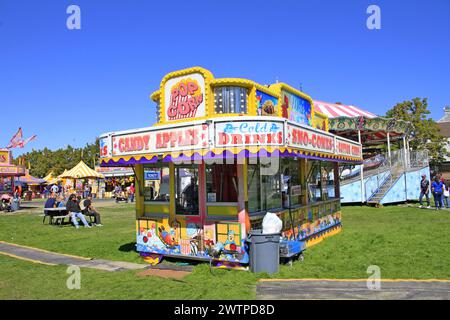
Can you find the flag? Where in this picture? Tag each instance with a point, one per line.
(22, 143)
(15, 140)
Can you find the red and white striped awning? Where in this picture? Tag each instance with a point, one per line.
(333, 110)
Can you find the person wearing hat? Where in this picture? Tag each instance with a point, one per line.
(424, 190)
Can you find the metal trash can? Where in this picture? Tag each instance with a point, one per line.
(264, 251)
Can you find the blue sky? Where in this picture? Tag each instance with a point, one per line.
(69, 86)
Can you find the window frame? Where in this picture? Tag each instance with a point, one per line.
(186, 166)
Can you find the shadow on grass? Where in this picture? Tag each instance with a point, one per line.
(128, 247)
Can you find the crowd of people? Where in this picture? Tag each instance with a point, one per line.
(76, 208)
(440, 189)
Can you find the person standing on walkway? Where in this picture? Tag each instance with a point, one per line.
(437, 188)
(446, 193)
(424, 191)
(132, 191)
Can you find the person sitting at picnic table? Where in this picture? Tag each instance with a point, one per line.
(60, 202)
(73, 207)
(50, 203)
(89, 210)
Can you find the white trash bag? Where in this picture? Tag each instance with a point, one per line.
(271, 223)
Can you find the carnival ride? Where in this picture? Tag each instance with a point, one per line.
(386, 175)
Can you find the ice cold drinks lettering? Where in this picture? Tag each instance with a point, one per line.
(181, 138)
(135, 143)
(250, 139)
(317, 141)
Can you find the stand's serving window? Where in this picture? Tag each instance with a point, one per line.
(291, 181)
(320, 180)
(156, 184)
(186, 190)
(264, 185)
(221, 183)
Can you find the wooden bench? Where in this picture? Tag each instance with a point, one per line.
(59, 220)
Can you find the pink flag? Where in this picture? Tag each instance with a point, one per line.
(15, 140)
(22, 143)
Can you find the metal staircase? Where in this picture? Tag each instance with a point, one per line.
(384, 188)
(396, 168)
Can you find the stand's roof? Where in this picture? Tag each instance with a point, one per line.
(347, 120)
(29, 179)
(334, 110)
(81, 171)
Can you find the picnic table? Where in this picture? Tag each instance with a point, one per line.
(58, 213)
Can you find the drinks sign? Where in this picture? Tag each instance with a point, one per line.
(184, 97)
(240, 133)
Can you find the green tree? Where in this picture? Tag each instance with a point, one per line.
(425, 134)
(43, 161)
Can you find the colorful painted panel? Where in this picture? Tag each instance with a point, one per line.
(266, 104)
(304, 230)
(296, 108)
(225, 243)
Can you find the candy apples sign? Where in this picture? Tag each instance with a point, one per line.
(131, 144)
(161, 140)
(184, 97)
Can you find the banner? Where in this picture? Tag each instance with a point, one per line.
(163, 140)
(15, 139)
(22, 143)
(249, 133)
(347, 148)
(310, 139)
(226, 133)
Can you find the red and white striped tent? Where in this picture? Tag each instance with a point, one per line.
(333, 110)
(368, 136)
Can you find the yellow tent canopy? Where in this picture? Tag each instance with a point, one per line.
(62, 174)
(49, 176)
(50, 179)
(81, 171)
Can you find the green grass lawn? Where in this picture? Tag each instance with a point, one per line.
(404, 242)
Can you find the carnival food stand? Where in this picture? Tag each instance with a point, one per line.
(8, 171)
(222, 154)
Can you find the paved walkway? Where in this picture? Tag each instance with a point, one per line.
(51, 258)
(352, 289)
